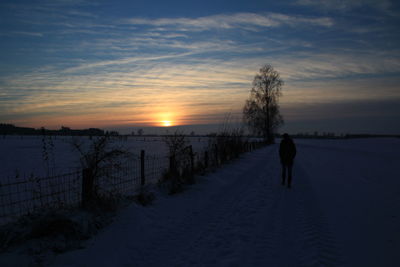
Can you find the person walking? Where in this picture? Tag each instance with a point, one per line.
(287, 153)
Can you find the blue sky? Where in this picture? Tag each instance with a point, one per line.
(122, 64)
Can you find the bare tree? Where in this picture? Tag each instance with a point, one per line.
(99, 156)
(179, 156)
(261, 111)
(176, 143)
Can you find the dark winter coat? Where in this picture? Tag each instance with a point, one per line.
(287, 151)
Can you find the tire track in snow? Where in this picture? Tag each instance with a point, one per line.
(297, 231)
(229, 230)
(277, 232)
(318, 244)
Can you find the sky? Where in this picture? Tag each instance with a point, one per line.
(131, 64)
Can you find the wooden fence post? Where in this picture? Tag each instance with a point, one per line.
(142, 173)
(87, 186)
(216, 154)
(206, 159)
(191, 159)
(172, 165)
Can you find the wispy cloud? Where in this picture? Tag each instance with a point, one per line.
(122, 61)
(346, 5)
(22, 33)
(338, 65)
(232, 21)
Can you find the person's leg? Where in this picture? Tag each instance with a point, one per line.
(289, 175)
(283, 174)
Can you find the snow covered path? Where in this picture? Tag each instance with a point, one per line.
(242, 216)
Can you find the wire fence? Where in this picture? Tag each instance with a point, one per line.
(28, 195)
(128, 178)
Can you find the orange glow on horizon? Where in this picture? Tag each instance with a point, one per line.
(163, 111)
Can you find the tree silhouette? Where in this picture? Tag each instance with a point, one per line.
(261, 111)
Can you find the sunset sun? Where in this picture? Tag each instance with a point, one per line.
(166, 118)
(166, 123)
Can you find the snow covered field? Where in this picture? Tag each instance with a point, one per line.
(343, 210)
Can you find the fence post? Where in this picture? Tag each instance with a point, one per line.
(216, 154)
(172, 164)
(191, 159)
(87, 186)
(206, 159)
(142, 176)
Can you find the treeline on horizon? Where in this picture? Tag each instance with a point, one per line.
(10, 129)
(327, 135)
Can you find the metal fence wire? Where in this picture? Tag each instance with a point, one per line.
(155, 168)
(126, 179)
(26, 195)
